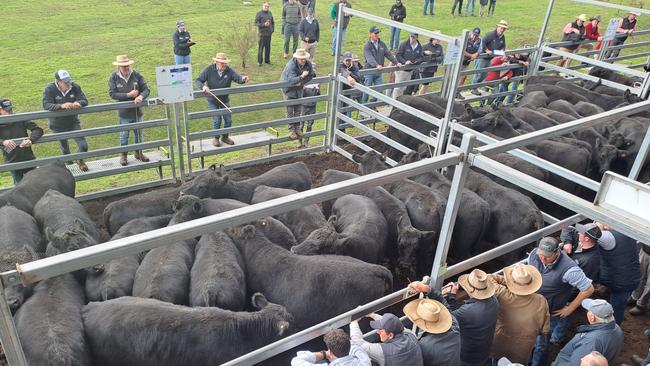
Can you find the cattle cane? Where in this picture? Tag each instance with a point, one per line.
(219, 100)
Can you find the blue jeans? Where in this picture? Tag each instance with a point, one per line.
(540, 352)
(216, 120)
(618, 300)
(82, 145)
(394, 37)
(473, 2)
(514, 86)
(428, 4)
(480, 63)
(370, 80)
(334, 38)
(291, 31)
(124, 134)
(179, 60)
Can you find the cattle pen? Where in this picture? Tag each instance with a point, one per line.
(180, 146)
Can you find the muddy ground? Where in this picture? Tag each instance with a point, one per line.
(633, 327)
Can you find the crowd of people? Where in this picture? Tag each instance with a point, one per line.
(511, 318)
(415, 60)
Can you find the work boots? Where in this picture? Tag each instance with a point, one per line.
(227, 140)
(82, 165)
(216, 142)
(140, 156)
(123, 159)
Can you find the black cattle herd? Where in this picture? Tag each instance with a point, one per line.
(204, 301)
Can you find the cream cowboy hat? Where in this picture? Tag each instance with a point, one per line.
(477, 285)
(123, 60)
(430, 315)
(582, 17)
(301, 54)
(522, 279)
(221, 57)
(503, 24)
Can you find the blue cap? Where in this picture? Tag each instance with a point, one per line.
(63, 75)
(388, 322)
(180, 23)
(374, 29)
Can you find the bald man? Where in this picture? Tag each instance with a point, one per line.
(594, 358)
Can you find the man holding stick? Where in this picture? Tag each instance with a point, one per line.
(215, 76)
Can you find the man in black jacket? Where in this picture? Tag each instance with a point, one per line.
(265, 27)
(182, 43)
(349, 70)
(408, 53)
(64, 94)
(434, 55)
(309, 34)
(374, 52)
(397, 13)
(126, 84)
(216, 76)
(493, 41)
(22, 151)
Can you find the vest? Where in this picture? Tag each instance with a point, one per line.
(619, 267)
(403, 350)
(556, 291)
(574, 37)
(627, 24)
(589, 261)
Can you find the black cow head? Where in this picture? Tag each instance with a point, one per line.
(186, 208)
(209, 183)
(606, 154)
(278, 320)
(631, 97)
(319, 241)
(69, 238)
(409, 239)
(370, 162)
(411, 157)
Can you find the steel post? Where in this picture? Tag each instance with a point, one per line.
(641, 157)
(9, 335)
(456, 68)
(170, 137)
(335, 83)
(534, 66)
(449, 220)
(179, 140)
(188, 143)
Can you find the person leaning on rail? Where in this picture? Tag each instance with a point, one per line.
(216, 76)
(494, 40)
(126, 84)
(339, 352)
(625, 28)
(439, 338)
(398, 347)
(16, 152)
(65, 94)
(298, 72)
(573, 32)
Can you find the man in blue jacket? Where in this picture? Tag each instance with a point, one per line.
(602, 334)
(409, 52)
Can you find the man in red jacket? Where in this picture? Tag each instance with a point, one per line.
(592, 33)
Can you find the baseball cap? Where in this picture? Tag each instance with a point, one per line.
(506, 362)
(63, 75)
(413, 34)
(547, 246)
(347, 55)
(388, 322)
(180, 23)
(596, 17)
(374, 29)
(591, 230)
(6, 104)
(599, 308)
(477, 30)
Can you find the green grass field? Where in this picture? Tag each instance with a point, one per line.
(84, 38)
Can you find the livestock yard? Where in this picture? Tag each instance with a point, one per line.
(244, 249)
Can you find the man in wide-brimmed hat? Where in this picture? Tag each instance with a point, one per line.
(399, 346)
(65, 94)
(126, 84)
(477, 316)
(625, 28)
(560, 276)
(440, 336)
(298, 72)
(523, 313)
(494, 40)
(216, 76)
(573, 32)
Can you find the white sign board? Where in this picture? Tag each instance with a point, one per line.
(453, 52)
(611, 29)
(175, 83)
(629, 198)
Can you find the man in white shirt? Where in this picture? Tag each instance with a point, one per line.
(339, 352)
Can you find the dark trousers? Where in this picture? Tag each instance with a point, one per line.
(18, 174)
(618, 300)
(458, 3)
(82, 145)
(264, 45)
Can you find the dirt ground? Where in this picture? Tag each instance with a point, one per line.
(633, 327)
